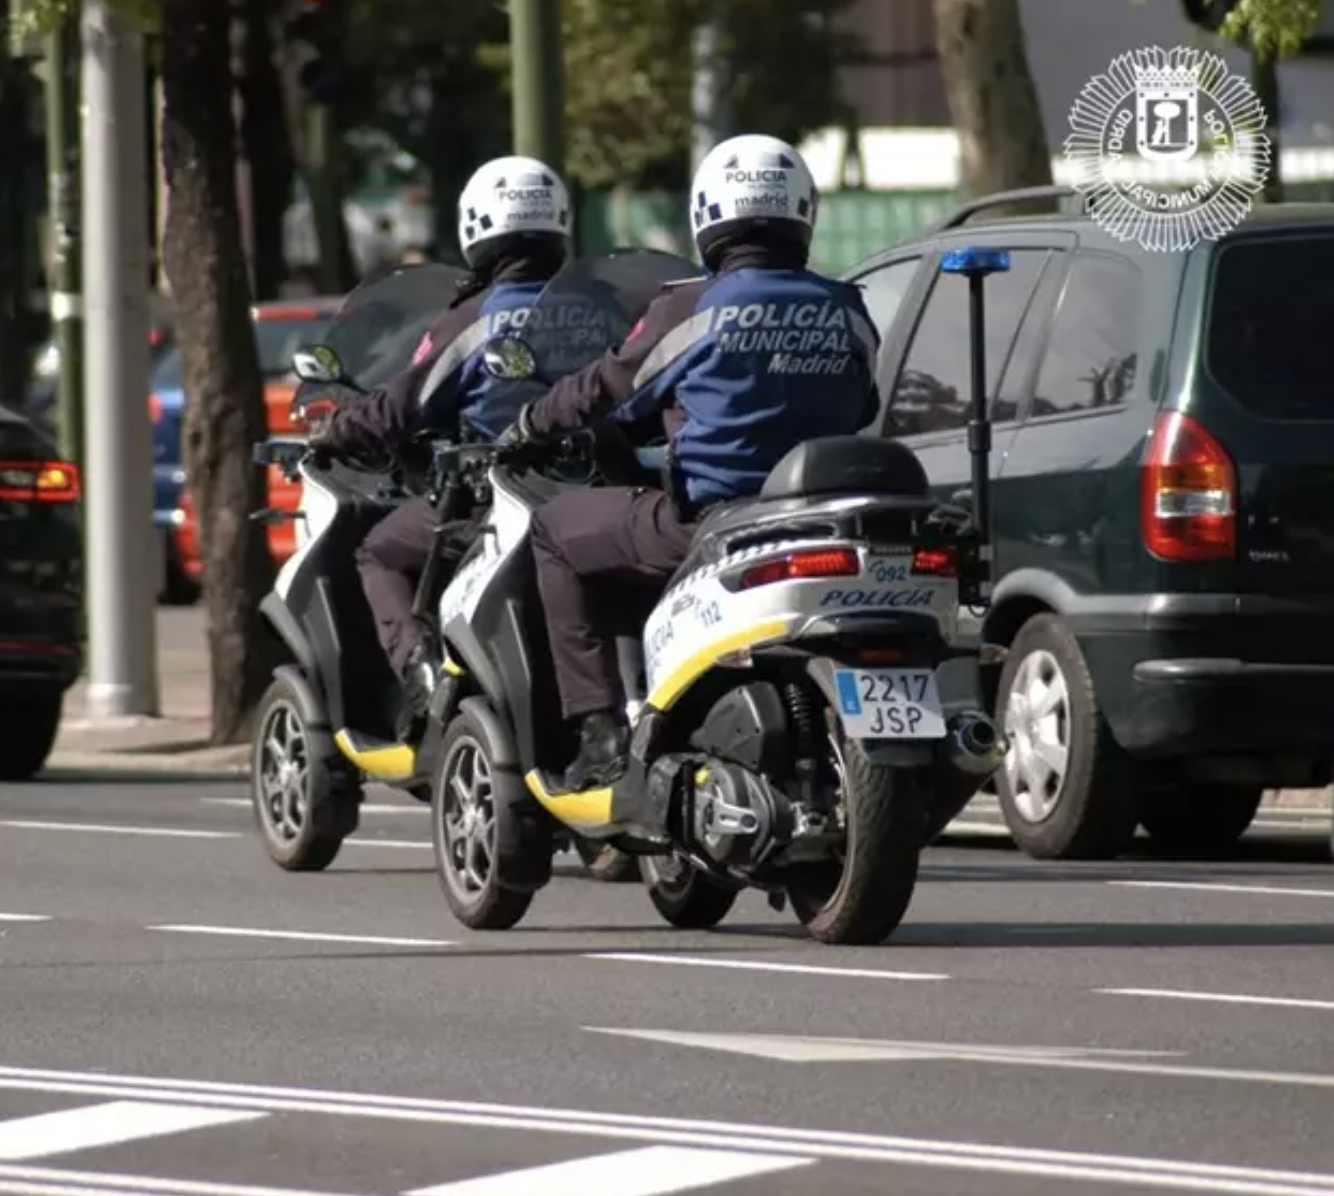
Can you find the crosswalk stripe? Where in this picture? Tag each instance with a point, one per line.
(653, 1171)
(50, 1181)
(107, 1124)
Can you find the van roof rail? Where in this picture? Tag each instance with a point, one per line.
(1001, 199)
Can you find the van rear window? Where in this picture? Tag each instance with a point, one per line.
(1271, 322)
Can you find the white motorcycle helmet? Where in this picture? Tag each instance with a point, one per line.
(508, 198)
(750, 183)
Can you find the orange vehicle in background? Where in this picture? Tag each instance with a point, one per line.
(281, 328)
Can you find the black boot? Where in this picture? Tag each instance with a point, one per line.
(419, 680)
(604, 752)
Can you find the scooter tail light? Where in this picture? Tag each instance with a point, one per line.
(803, 566)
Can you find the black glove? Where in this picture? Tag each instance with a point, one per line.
(322, 446)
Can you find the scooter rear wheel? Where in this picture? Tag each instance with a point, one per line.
(686, 897)
(607, 863)
(861, 899)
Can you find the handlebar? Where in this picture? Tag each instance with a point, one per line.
(448, 459)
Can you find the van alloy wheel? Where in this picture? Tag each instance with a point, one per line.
(1037, 724)
(1066, 789)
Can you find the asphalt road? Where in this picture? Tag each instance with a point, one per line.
(180, 1018)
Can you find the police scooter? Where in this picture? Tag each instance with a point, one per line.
(327, 722)
(803, 716)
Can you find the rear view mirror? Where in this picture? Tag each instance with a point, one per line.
(319, 363)
(509, 357)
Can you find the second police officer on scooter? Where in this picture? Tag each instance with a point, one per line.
(514, 221)
(738, 367)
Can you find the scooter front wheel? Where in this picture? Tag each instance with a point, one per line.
(305, 800)
(468, 803)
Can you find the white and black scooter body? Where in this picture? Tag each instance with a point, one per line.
(329, 720)
(798, 676)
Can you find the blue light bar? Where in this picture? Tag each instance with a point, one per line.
(975, 261)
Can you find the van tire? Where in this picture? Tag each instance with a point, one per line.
(1094, 812)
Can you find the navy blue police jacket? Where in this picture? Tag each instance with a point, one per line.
(742, 366)
(445, 389)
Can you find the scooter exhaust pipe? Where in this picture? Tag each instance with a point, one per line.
(974, 745)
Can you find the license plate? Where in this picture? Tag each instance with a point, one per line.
(890, 703)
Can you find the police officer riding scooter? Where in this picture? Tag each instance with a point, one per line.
(736, 367)
(514, 220)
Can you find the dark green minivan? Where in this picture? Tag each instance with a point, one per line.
(1163, 509)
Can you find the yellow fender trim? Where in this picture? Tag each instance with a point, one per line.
(384, 762)
(667, 691)
(589, 811)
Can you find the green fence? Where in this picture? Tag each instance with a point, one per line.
(852, 225)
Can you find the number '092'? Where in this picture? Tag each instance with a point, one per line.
(886, 572)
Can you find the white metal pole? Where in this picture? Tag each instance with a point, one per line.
(122, 559)
(707, 92)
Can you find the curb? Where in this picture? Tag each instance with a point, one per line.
(229, 763)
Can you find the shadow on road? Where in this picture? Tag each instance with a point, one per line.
(1311, 849)
(1115, 934)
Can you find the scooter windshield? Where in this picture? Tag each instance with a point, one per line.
(590, 306)
(380, 324)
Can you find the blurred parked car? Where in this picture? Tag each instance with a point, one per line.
(280, 329)
(40, 593)
(40, 402)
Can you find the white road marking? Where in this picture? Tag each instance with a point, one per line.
(106, 1125)
(1220, 998)
(652, 1171)
(100, 829)
(991, 830)
(305, 936)
(244, 803)
(25, 917)
(758, 965)
(50, 1181)
(392, 844)
(818, 1144)
(1204, 887)
(801, 1049)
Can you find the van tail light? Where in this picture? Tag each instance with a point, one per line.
(802, 566)
(1188, 493)
(935, 562)
(154, 408)
(39, 481)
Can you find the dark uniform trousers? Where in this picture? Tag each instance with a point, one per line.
(391, 559)
(603, 557)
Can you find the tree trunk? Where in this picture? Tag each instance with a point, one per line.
(15, 314)
(984, 66)
(225, 412)
(267, 141)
